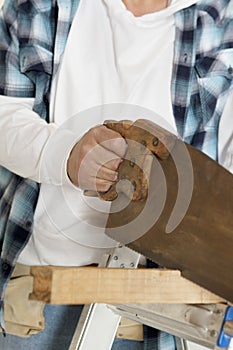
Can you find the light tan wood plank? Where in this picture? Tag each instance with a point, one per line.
(85, 285)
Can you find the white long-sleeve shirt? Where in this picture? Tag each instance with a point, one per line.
(38, 150)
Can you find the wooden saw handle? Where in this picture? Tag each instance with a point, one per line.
(158, 140)
(148, 139)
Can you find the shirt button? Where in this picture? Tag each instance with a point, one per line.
(5, 266)
(185, 57)
(28, 224)
(179, 108)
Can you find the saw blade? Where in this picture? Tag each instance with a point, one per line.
(185, 222)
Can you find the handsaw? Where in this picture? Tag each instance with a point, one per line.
(177, 210)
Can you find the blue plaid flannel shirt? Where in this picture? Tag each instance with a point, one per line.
(33, 37)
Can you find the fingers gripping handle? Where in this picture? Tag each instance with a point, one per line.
(145, 139)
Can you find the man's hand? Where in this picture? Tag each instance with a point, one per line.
(93, 161)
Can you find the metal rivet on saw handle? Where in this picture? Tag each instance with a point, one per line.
(155, 141)
(132, 162)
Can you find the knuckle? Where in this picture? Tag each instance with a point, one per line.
(116, 163)
(92, 132)
(114, 176)
(120, 145)
(104, 187)
(97, 129)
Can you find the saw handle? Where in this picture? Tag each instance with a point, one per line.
(149, 139)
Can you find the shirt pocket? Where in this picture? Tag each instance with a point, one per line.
(36, 35)
(35, 58)
(214, 76)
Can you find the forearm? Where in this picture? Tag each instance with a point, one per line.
(31, 147)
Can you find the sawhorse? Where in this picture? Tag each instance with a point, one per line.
(209, 325)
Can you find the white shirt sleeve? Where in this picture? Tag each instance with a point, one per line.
(225, 145)
(31, 147)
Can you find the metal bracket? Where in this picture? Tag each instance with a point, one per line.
(98, 324)
(206, 325)
(123, 257)
(201, 324)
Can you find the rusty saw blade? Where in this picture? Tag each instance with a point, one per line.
(185, 220)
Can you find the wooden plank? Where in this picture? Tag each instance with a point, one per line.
(85, 285)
